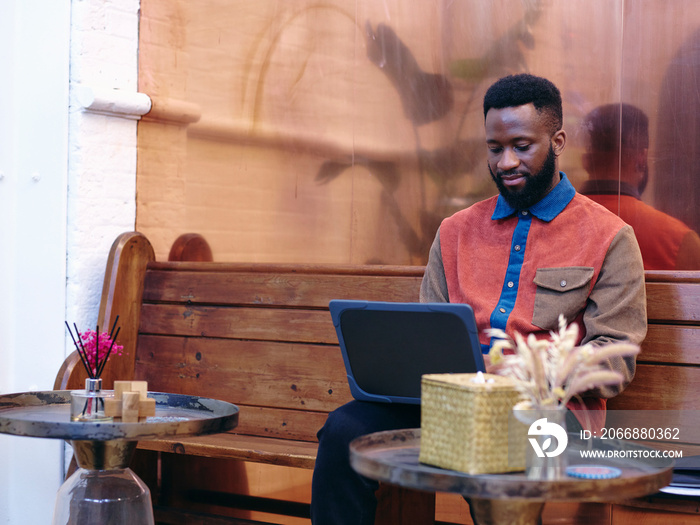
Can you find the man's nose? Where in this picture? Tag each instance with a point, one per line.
(508, 161)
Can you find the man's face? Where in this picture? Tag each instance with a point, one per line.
(522, 154)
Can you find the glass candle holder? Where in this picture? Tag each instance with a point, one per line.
(89, 404)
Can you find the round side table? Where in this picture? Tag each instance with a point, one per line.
(500, 499)
(104, 489)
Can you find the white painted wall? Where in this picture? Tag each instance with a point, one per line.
(34, 47)
(102, 161)
(67, 189)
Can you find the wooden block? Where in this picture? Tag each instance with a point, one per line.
(141, 387)
(130, 407)
(120, 387)
(113, 407)
(147, 407)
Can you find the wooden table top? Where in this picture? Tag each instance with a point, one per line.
(47, 415)
(392, 457)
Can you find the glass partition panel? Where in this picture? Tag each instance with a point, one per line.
(640, 148)
(344, 130)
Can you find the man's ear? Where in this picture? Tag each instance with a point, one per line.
(559, 142)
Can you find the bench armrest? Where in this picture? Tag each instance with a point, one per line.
(122, 292)
(71, 375)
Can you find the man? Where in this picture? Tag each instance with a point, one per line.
(520, 259)
(617, 142)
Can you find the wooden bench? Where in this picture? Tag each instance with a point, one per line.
(257, 335)
(260, 336)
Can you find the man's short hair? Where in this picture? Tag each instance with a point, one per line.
(614, 126)
(518, 90)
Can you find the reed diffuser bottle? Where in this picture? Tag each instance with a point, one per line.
(89, 404)
(94, 349)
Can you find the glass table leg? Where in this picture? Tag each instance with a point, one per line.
(103, 490)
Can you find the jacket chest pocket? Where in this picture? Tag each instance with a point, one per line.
(560, 291)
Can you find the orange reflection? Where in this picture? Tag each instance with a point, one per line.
(677, 189)
(616, 158)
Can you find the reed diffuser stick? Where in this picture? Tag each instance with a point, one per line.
(104, 361)
(80, 340)
(111, 332)
(77, 347)
(97, 349)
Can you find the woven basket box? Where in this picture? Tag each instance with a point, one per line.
(466, 425)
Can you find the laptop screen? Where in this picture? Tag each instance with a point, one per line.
(387, 347)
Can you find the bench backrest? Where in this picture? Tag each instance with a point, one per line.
(261, 336)
(668, 367)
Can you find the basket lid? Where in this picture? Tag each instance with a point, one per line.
(471, 381)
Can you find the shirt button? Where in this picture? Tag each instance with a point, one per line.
(502, 310)
(517, 247)
(510, 284)
(523, 213)
(562, 284)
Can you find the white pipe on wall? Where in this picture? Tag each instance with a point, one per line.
(113, 102)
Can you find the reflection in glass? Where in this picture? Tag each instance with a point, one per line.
(344, 131)
(616, 158)
(678, 186)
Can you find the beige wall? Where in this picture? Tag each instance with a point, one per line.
(275, 136)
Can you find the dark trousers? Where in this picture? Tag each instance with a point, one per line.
(338, 494)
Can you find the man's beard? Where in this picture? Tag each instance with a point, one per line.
(536, 185)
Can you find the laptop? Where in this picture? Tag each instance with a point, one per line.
(387, 347)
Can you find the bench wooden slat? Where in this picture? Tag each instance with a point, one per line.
(287, 288)
(272, 358)
(298, 325)
(671, 344)
(660, 387)
(291, 453)
(389, 271)
(274, 422)
(312, 394)
(295, 376)
(673, 302)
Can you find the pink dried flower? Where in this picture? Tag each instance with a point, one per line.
(99, 347)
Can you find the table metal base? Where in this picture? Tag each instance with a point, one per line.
(505, 512)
